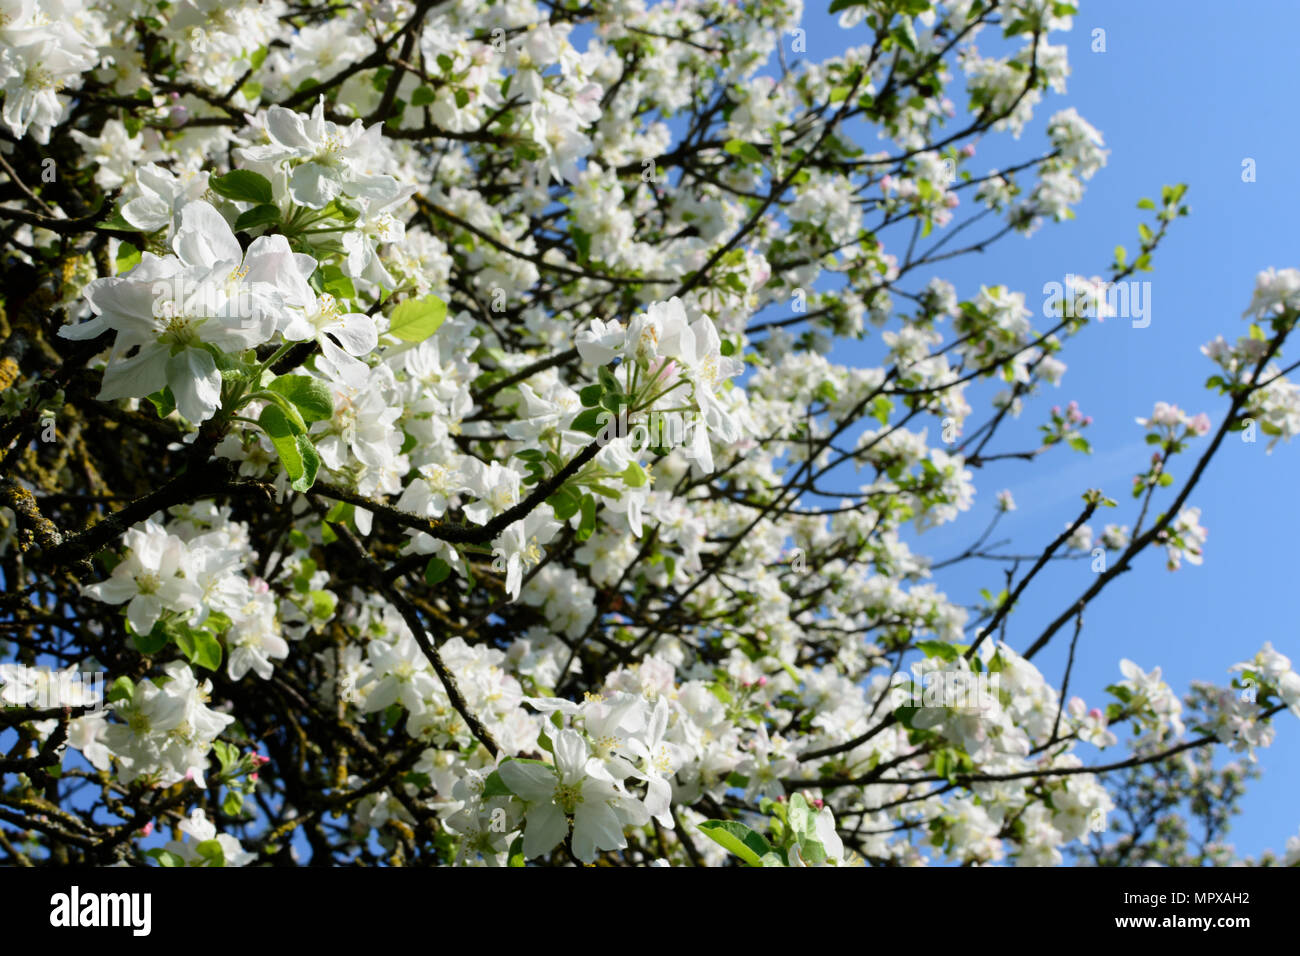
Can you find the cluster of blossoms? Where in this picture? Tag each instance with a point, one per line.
(390, 322)
(192, 575)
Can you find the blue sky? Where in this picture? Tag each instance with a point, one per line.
(1182, 93)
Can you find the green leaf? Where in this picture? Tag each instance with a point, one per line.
(588, 523)
(263, 214)
(323, 603)
(242, 185)
(200, 647)
(233, 805)
(310, 396)
(337, 283)
(211, 853)
(746, 151)
(941, 649)
(738, 839)
(802, 819)
(417, 319)
(292, 416)
(164, 402)
(153, 642)
(1146, 204)
(120, 689)
(310, 462)
(436, 571)
(517, 852)
(128, 257)
(227, 754)
(165, 857)
(115, 221)
(582, 242)
(591, 395)
(607, 380)
(588, 421)
(906, 714)
(634, 475)
(566, 503)
(297, 453)
(494, 786)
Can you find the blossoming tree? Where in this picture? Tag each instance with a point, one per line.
(420, 443)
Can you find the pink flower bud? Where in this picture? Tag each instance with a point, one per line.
(146, 829)
(667, 370)
(762, 681)
(1087, 420)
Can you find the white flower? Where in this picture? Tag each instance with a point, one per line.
(399, 673)
(162, 196)
(165, 732)
(658, 761)
(1149, 693)
(199, 829)
(552, 795)
(150, 579)
(496, 486)
(211, 293)
(320, 319)
(255, 640)
(1275, 292)
(520, 545)
(1080, 539)
(325, 160)
(599, 344)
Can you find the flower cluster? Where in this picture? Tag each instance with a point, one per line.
(440, 413)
